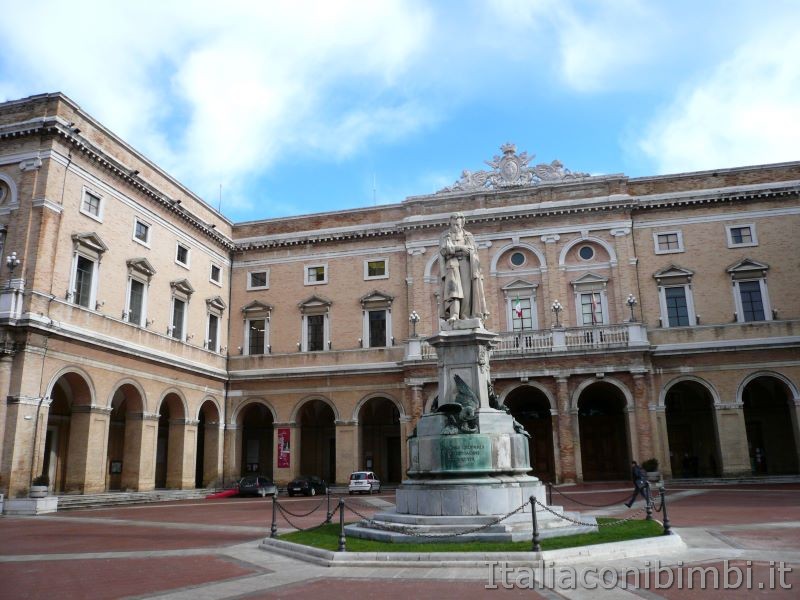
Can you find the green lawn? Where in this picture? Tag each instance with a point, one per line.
(327, 538)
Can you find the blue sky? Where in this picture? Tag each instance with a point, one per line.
(310, 106)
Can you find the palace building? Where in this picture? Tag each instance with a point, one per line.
(148, 342)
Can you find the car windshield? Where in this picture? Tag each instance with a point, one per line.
(358, 476)
(248, 481)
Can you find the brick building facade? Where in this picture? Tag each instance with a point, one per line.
(149, 342)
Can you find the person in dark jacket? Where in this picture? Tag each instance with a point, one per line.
(640, 484)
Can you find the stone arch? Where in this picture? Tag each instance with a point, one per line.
(134, 384)
(533, 384)
(213, 401)
(379, 436)
(368, 397)
(13, 195)
(238, 412)
(429, 264)
(610, 380)
(662, 396)
(127, 404)
(254, 421)
(173, 419)
(532, 249)
(531, 404)
(208, 455)
(612, 255)
(181, 398)
(74, 371)
(316, 417)
(788, 382)
(298, 407)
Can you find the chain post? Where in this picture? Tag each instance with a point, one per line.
(535, 545)
(273, 530)
(549, 493)
(648, 503)
(667, 528)
(328, 513)
(342, 539)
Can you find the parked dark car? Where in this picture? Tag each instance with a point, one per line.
(253, 485)
(308, 485)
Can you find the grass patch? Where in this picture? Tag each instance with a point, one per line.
(327, 538)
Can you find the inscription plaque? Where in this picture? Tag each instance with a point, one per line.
(466, 452)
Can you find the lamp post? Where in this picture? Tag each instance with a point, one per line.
(413, 318)
(12, 262)
(631, 302)
(557, 308)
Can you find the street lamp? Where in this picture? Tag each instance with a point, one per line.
(557, 308)
(12, 262)
(631, 302)
(413, 318)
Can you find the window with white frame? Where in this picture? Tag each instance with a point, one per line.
(181, 293)
(591, 302)
(88, 249)
(675, 297)
(316, 274)
(376, 268)
(256, 328)
(140, 271)
(520, 297)
(668, 242)
(750, 295)
(741, 236)
(182, 254)
(376, 309)
(216, 274)
(214, 308)
(258, 280)
(92, 205)
(315, 333)
(141, 232)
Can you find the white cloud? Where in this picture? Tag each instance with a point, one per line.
(746, 112)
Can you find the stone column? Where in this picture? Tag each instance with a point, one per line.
(181, 447)
(556, 445)
(732, 439)
(347, 450)
(633, 439)
(566, 433)
(232, 444)
(5, 384)
(794, 409)
(147, 471)
(87, 450)
(644, 433)
(212, 454)
(135, 453)
(658, 416)
(20, 457)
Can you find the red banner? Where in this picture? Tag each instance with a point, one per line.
(284, 447)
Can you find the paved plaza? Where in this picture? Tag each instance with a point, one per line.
(210, 549)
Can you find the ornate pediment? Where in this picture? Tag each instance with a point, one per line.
(376, 298)
(89, 240)
(315, 303)
(519, 285)
(182, 285)
(216, 303)
(512, 170)
(673, 272)
(142, 266)
(255, 308)
(748, 268)
(590, 279)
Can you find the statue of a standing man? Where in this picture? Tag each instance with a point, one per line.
(462, 280)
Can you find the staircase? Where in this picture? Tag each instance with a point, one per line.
(77, 501)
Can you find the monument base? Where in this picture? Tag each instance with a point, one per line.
(466, 510)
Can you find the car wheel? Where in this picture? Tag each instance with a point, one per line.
(313, 491)
(350, 492)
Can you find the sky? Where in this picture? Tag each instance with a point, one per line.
(270, 109)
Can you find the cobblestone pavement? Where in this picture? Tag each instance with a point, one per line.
(743, 541)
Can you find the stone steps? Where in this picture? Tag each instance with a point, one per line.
(78, 501)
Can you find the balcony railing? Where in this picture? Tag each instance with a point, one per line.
(561, 339)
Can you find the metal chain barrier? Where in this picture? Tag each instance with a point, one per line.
(437, 536)
(577, 522)
(312, 511)
(284, 512)
(590, 505)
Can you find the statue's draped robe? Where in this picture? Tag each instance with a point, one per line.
(461, 277)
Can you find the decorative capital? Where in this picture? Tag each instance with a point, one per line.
(550, 238)
(30, 164)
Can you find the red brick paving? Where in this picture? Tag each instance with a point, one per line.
(391, 589)
(112, 578)
(772, 539)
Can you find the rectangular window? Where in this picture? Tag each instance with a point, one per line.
(377, 328)
(178, 315)
(256, 336)
(315, 274)
(741, 235)
(677, 307)
(84, 273)
(213, 333)
(91, 204)
(752, 301)
(136, 302)
(141, 232)
(216, 274)
(668, 242)
(182, 255)
(376, 268)
(591, 308)
(521, 319)
(257, 280)
(316, 332)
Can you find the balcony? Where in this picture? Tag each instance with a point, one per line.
(545, 341)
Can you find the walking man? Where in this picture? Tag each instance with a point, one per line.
(640, 484)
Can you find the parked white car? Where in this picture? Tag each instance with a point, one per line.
(364, 482)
